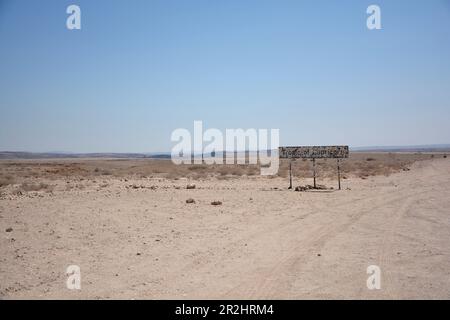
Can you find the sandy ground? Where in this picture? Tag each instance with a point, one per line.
(263, 241)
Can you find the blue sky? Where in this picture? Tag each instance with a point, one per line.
(137, 70)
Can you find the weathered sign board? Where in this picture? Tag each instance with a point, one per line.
(317, 152)
(313, 152)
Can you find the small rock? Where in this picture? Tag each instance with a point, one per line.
(9, 229)
(190, 200)
(216, 203)
(138, 254)
(190, 186)
(319, 255)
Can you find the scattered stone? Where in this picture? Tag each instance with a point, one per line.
(190, 200)
(190, 186)
(138, 254)
(319, 255)
(310, 187)
(216, 203)
(9, 229)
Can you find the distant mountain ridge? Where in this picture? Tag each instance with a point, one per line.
(57, 155)
(166, 155)
(415, 148)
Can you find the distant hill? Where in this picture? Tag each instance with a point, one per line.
(54, 155)
(166, 155)
(417, 148)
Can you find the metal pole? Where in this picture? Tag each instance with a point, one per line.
(314, 168)
(339, 175)
(290, 174)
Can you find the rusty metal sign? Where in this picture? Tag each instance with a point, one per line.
(313, 152)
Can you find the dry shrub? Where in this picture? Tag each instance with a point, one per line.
(199, 175)
(358, 164)
(172, 176)
(35, 187)
(195, 167)
(252, 170)
(224, 177)
(223, 171)
(6, 180)
(233, 170)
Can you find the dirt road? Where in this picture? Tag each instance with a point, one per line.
(263, 241)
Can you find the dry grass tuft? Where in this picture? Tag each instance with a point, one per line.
(6, 181)
(35, 187)
(359, 164)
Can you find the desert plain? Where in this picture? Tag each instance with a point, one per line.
(137, 231)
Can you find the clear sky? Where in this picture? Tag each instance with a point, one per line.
(137, 70)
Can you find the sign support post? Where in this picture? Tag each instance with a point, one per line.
(339, 174)
(314, 169)
(290, 174)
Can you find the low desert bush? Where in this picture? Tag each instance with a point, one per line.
(36, 187)
(6, 181)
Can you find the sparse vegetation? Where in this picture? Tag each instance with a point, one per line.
(35, 187)
(6, 181)
(358, 165)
